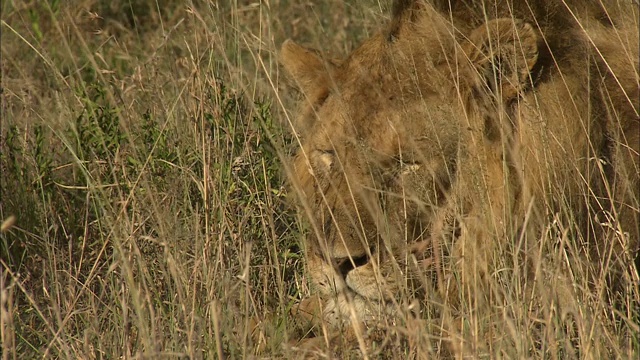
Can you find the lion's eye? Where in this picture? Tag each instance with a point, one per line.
(409, 168)
(325, 159)
(406, 166)
(400, 172)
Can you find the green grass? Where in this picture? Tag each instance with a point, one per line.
(140, 153)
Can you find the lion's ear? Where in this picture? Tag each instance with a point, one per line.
(309, 70)
(503, 52)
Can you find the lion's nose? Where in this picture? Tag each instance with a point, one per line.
(344, 265)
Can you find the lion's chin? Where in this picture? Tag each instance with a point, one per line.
(351, 306)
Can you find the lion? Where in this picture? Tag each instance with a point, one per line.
(456, 138)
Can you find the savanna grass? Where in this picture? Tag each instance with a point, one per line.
(141, 187)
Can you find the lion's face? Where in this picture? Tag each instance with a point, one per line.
(378, 141)
(370, 179)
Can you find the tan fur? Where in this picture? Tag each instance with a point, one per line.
(432, 145)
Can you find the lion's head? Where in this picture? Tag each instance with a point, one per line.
(427, 128)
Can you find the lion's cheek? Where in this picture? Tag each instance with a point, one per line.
(370, 283)
(324, 277)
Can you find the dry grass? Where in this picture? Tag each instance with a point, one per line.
(143, 201)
